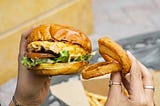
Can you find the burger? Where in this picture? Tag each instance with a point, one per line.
(54, 49)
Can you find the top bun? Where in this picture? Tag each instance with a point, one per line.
(55, 32)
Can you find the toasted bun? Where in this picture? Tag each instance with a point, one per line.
(59, 68)
(54, 32)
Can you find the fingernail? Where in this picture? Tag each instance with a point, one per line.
(128, 52)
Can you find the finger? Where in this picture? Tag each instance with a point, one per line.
(23, 42)
(147, 80)
(115, 90)
(136, 84)
(27, 32)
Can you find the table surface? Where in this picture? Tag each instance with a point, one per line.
(117, 19)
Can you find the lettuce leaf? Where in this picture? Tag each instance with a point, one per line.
(27, 62)
(86, 57)
(63, 57)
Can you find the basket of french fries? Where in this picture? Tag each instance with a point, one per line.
(96, 99)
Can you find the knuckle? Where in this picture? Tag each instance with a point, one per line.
(149, 75)
(143, 102)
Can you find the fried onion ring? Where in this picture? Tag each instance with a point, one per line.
(115, 58)
(100, 68)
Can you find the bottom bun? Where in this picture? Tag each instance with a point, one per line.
(59, 68)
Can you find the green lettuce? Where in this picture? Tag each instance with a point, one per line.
(86, 57)
(63, 57)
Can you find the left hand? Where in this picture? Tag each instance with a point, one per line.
(31, 89)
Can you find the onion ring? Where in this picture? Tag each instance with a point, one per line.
(100, 69)
(116, 59)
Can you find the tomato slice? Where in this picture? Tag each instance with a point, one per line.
(39, 55)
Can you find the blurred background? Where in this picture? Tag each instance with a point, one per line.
(135, 24)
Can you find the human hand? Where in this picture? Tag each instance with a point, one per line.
(31, 89)
(138, 95)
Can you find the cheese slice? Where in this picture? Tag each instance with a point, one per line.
(56, 47)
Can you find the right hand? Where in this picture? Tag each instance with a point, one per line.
(138, 96)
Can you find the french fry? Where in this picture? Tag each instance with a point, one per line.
(125, 92)
(103, 102)
(95, 99)
(96, 95)
(91, 102)
(96, 102)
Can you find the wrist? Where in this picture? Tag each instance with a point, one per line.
(15, 102)
(24, 100)
(11, 103)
